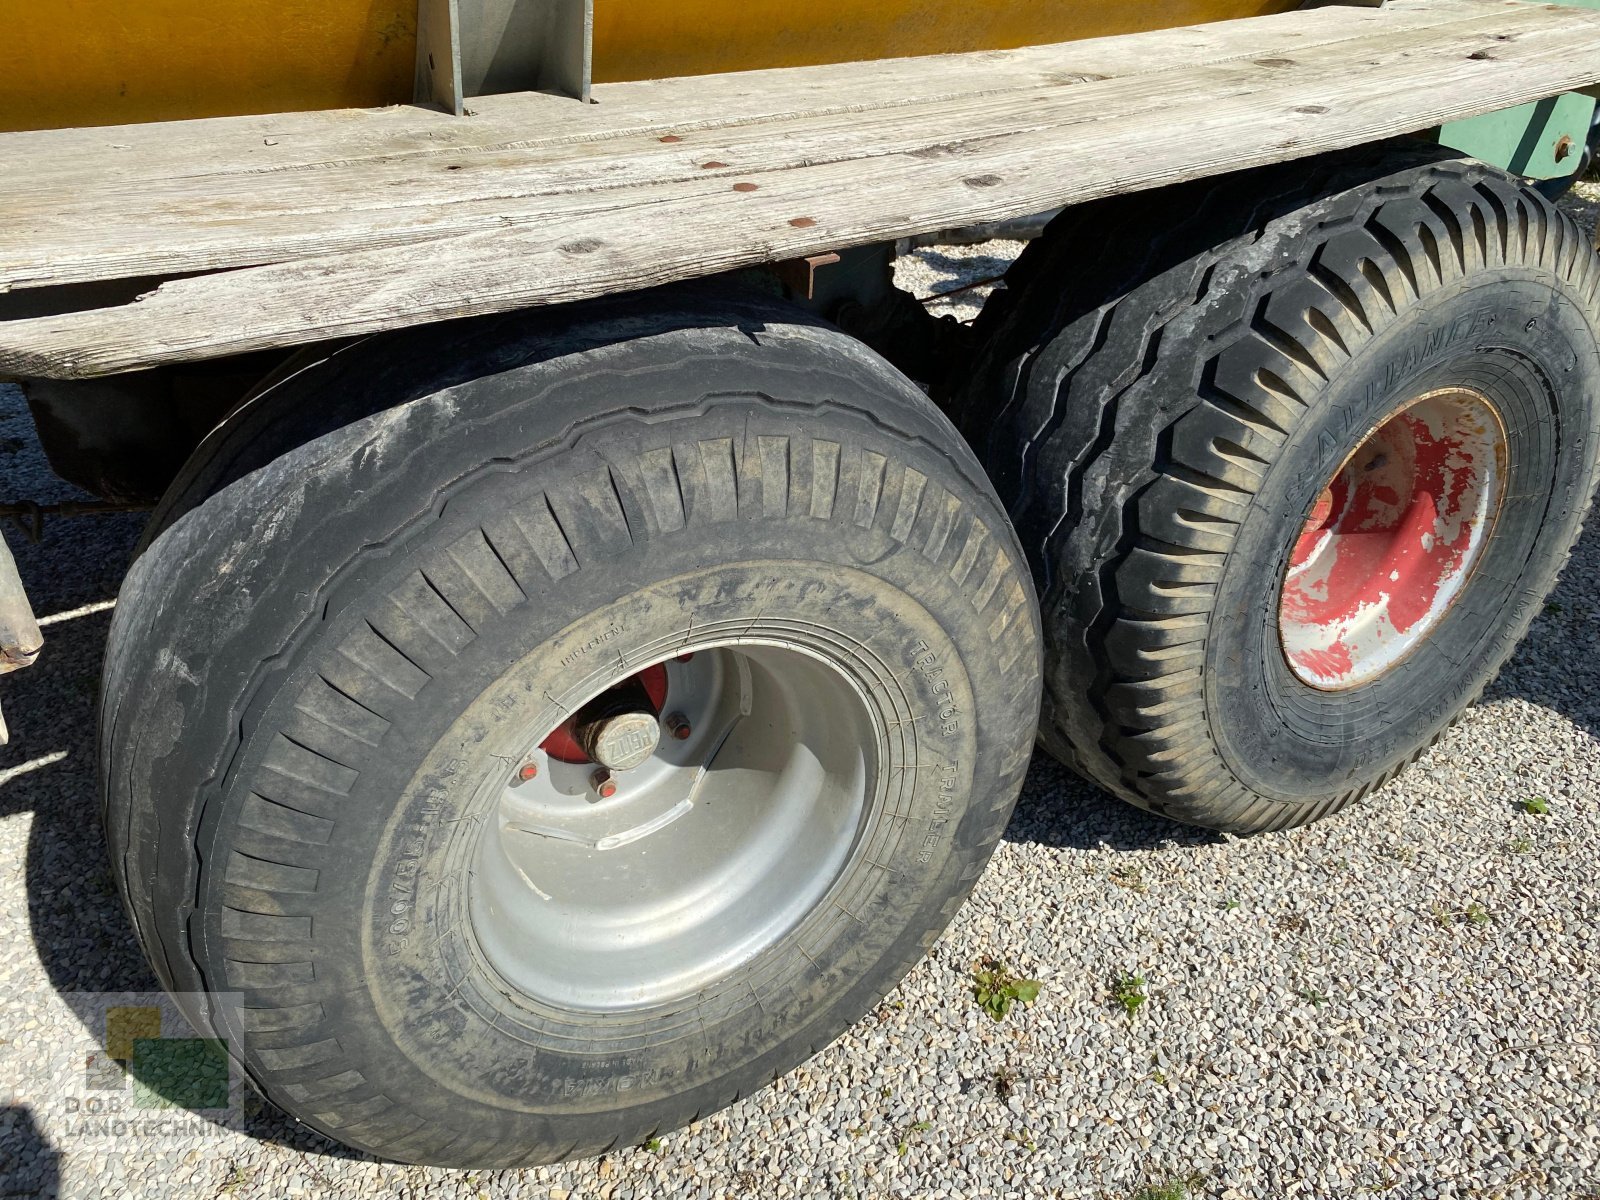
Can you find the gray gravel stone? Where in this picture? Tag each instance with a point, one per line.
(1402, 1000)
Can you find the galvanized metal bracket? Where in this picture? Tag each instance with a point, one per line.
(469, 48)
(438, 78)
(20, 638)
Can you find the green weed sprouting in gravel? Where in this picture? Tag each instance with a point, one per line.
(1023, 1138)
(1473, 914)
(905, 1138)
(1315, 998)
(1230, 905)
(1522, 845)
(653, 1145)
(1551, 607)
(1130, 877)
(1536, 806)
(1128, 991)
(996, 987)
(1179, 1187)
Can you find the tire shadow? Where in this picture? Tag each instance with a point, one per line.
(1557, 667)
(1059, 808)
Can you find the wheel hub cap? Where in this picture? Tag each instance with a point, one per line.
(1392, 539)
(621, 742)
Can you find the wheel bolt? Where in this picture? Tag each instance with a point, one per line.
(527, 771)
(604, 786)
(678, 726)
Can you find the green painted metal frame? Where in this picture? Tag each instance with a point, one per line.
(1543, 140)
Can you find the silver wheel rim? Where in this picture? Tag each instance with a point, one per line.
(624, 889)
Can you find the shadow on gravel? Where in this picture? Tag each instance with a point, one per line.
(29, 1164)
(81, 933)
(1057, 808)
(1558, 664)
(962, 271)
(1557, 667)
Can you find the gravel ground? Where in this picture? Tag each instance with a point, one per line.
(1402, 999)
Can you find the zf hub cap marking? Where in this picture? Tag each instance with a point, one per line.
(679, 823)
(1392, 539)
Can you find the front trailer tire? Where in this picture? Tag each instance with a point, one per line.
(324, 678)
(1172, 393)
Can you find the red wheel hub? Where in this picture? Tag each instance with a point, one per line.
(1392, 539)
(562, 744)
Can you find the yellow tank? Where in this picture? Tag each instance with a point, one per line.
(648, 39)
(112, 62)
(90, 62)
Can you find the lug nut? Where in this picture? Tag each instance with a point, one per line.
(604, 786)
(527, 771)
(678, 726)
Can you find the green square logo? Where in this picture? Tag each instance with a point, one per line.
(189, 1073)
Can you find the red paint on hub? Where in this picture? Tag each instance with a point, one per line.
(1391, 540)
(562, 744)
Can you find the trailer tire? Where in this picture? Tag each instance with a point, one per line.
(1161, 410)
(327, 681)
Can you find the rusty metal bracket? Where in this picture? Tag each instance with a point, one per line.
(799, 275)
(20, 638)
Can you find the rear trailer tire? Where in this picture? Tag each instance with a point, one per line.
(357, 699)
(1189, 424)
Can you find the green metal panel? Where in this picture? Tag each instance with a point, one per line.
(1528, 138)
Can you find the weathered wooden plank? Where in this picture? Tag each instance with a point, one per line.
(78, 158)
(205, 222)
(939, 168)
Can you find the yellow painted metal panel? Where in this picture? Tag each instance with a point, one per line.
(107, 62)
(651, 39)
